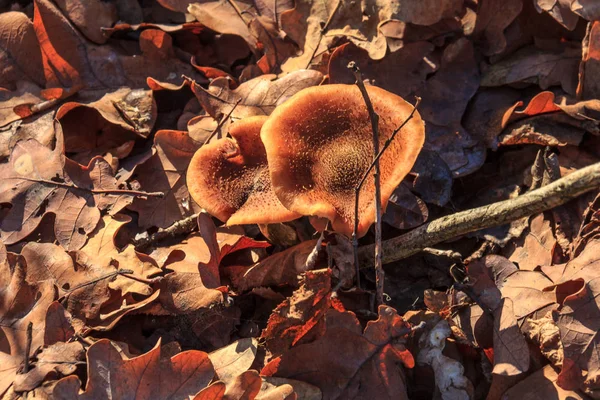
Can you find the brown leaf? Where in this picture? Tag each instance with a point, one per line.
(484, 118)
(405, 210)
(195, 282)
(301, 318)
(20, 54)
(71, 61)
(349, 363)
(280, 268)
(85, 296)
(112, 374)
(354, 22)
(224, 17)
(234, 359)
(257, 96)
(590, 64)
(90, 16)
(37, 180)
(165, 172)
(101, 253)
(535, 247)
(578, 318)
(493, 16)
(535, 66)
(100, 126)
(541, 384)
(53, 362)
(21, 303)
(511, 354)
(58, 325)
(402, 72)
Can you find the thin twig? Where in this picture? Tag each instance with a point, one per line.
(389, 141)
(116, 192)
(186, 225)
(374, 117)
(322, 32)
(110, 275)
(545, 198)
(453, 255)
(28, 347)
(222, 122)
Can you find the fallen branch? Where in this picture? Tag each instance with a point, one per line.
(545, 198)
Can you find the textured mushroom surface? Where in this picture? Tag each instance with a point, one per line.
(229, 178)
(319, 144)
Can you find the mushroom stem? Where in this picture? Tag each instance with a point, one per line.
(379, 273)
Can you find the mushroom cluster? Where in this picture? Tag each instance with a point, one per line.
(306, 159)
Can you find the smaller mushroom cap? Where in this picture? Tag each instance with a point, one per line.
(319, 144)
(230, 179)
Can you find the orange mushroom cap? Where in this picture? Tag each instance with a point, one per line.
(319, 144)
(229, 178)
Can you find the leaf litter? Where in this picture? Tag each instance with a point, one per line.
(102, 108)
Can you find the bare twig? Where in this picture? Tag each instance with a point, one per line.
(186, 225)
(28, 347)
(379, 273)
(453, 255)
(116, 192)
(322, 32)
(496, 214)
(222, 122)
(389, 141)
(110, 275)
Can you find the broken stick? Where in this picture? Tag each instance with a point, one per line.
(545, 198)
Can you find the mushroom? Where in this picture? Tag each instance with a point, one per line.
(229, 178)
(319, 144)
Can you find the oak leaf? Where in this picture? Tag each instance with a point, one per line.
(348, 363)
(115, 375)
(37, 181)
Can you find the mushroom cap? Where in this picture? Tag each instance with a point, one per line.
(319, 144)
(230, 179)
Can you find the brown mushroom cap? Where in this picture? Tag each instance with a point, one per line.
(319, 144)
(229, 178)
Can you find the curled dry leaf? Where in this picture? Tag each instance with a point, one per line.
(348, 363)
(37, 181)
(449, 373)
(111, 373)
(230, 179)
(319, 145)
